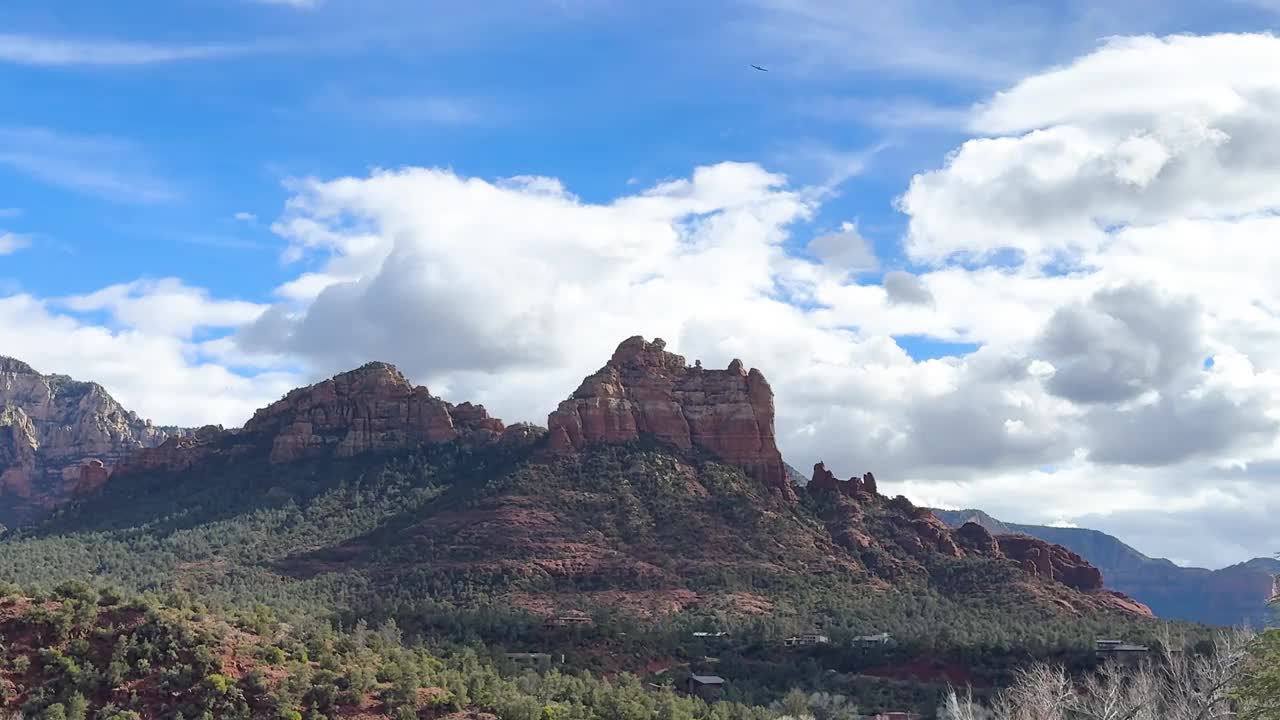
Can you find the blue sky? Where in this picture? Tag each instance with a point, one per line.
(146, 161)
(913, 222)
(598, 94)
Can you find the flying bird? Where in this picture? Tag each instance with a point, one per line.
(760, 68)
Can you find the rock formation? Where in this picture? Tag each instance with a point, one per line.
(51, 427)
(370, 409)
(646, 391)
(825, 481)
(1050, 561)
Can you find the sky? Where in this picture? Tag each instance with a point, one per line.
(1016, 256)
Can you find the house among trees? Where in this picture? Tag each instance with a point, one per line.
(573, 619)
(812, 638)
(895, 715)
(872, 640)
(1106, 649)
(706, 686)
(705, 634)
(532, 658)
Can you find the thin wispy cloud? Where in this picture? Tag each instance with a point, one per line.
(894, 113)
(298, 4)
(12, 242)
(10, 212)
(105, 167)
(410, 109)
(53, 51)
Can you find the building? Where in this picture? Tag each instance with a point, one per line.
(1119, 650)
(895, 715)
(704, 634)
(570, 620)
(706, 686)
(872, 640)
(807, 639)
(531, 658)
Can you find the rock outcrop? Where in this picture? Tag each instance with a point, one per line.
(51, 428)
(825, 481)
(977, 539)
(1050, 561)
(646, 391)
(373, 408)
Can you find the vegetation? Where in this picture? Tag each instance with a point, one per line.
(426, 546)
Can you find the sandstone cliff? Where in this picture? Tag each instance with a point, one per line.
(58, 435)
(873, 526)
(373, 408)
(646, 391)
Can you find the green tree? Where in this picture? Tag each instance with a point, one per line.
(1259, 690)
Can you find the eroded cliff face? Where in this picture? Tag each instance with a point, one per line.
(373, 408)
(59, 437)
(645, 390)
(873, 526)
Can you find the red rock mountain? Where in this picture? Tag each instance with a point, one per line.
(57, 436)
(645, 390)
(868, 524)
(583, 504)
(372, 408)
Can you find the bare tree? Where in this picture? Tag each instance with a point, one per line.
(1198, 686)
(1178, 685)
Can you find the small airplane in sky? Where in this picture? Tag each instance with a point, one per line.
(760, 68)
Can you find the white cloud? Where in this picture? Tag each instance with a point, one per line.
(845, 251)
(11, 242)
(160, 376)
(1143, 131)
(165, 306)
(246, 217)
(33, 50)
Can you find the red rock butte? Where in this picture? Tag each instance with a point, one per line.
(645, 390)
(373, 407)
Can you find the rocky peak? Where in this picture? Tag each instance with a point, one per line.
(15, 366)
(825, 480)
(52, 425)
(371, 408)
(646, 391)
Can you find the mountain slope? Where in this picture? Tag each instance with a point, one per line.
(655, 505)
(59, 436)
(657, 488)
(1231, 596)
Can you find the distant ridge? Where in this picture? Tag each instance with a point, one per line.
(1234, 595)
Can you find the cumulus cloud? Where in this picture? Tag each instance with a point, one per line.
(1121, 343)
(903, 288)
(158, 375)
(847, 250)
(165, 306)
(1143, 131)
